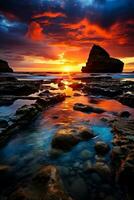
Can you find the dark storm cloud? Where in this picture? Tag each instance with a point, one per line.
(59, 20)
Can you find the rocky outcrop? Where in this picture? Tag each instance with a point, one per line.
(123, 153)
(99, 61)
(4, 67)
(87, 108)
(46, 185)
(67, 138)
(27, 113)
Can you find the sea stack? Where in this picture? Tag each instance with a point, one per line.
(99, 61)
(4, 67)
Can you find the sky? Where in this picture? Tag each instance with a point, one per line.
(57, 35)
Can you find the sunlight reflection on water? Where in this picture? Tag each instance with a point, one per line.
(33, 145)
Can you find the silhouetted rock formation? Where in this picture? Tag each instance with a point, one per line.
(99, 61)
(4, 67)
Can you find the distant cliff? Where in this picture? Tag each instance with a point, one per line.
(99, 61)
(4, 67)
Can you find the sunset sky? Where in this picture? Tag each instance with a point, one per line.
(57, 35)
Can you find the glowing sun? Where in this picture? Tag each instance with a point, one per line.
(67, 69)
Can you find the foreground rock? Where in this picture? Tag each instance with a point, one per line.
(127, 99)
(87, 108)
(4, 67)
(27, 114)
(99, 61)
(126, 173)
(102, 148)
(46, 185)
(11, 86)
(123, 154)
(66, 138)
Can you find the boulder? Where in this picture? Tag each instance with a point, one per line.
(78, 188)
(127, 99)
(101, 148)
(45, 185)
(86, 154)
(99, 61)
(87, 108)
(4, 67)
(103, 170)
(126, 174)
(125, 114)
(66, 138)
(3, 123)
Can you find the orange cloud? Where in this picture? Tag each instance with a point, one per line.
(35, 32)
(49, 14)
(85, 29)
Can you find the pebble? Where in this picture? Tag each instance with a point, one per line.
(96, 178)
(87, 165)
(86, 154)
(79, 189)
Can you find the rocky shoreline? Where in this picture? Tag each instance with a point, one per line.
(111, 173)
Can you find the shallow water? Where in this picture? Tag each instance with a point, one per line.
(33, 145)
(7, 112)
(31, 148)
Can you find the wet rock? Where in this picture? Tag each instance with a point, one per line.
(85, 133)
(45, 185)
(104, 119)
(108, 92)
(19, 88)
(45, 93)
(116, 154)
(106, 188)
(99, 61)
(102, 148)
(76, 94)
(94, 100)
(51, 99)
(4, 67)
(55, 117)
(87, 165)
(100, 158)
(7, 79)
(126, 173)
(125, 114)
(77, 164)
(61, 85)
(3, 123)
(54, 153)
(5, 176)
(87, 108)
(7, 101)
(64, 171)
(95, 178)
(4, 169)
(49, 178)
(76, 86)
(127, 99)
(27, 114)
(86, 154)
(110, 197)
(66, 138)
(20, 194)
(103, 170)
(78, 188)
(45, 174)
